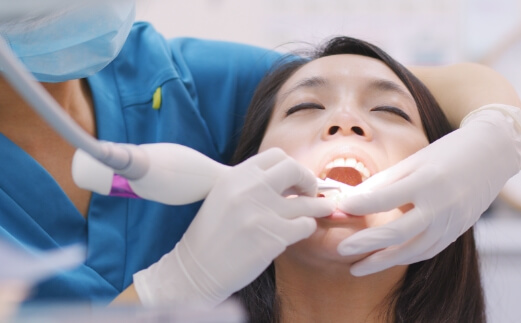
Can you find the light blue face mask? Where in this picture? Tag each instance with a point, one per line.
(73, 44)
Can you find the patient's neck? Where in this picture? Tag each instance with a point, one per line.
(329, 293)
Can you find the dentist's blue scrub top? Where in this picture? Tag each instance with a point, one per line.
(205, 88)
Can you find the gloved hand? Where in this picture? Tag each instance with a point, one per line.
(244, 223)
(450, 182)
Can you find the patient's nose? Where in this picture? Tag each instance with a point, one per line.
(347, 124)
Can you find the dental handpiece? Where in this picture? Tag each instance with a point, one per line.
(163, 172)
(180, 175)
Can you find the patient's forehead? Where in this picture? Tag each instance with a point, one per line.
(343, 67)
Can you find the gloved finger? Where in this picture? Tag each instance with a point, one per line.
(306, 206)
(372, 264)
(437, 247)
(290, 174)
(396, 232)
(396, 255)
(290, 231)
(267, 159)
(385, 177)
(382, 200)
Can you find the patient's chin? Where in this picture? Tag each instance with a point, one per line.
(321, 248)
(353, 258)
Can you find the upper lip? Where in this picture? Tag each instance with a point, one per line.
(348, 151)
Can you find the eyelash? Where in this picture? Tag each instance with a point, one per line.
(304, 106)
(389, 109)
(393, 110)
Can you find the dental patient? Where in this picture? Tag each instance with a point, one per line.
(347, 113)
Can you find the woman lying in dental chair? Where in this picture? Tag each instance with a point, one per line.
(347, 113)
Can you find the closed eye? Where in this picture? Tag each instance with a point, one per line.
(393, 110)
(304, 106)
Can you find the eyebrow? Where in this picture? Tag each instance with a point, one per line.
(310, 82)
(389, 86)
(381, 85)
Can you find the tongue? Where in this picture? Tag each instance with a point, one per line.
(346, 175)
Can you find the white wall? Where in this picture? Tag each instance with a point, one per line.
(414, 32)
(270, 23)
(426, 31)
(499, 242)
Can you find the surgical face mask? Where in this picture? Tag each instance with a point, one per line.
(73, 43)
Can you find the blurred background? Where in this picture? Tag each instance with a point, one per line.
(427, 32)
(416, 32)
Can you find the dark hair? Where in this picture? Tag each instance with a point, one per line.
(445, 288)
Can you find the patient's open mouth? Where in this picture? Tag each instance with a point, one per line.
(346, 175)
(346, 170)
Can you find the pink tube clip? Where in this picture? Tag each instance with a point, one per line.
(121, 188)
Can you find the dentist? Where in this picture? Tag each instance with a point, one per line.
(123, 82)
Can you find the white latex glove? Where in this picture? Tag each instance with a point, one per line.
(244, 223)
(450, 182)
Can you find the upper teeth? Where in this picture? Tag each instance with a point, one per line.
(348, 162)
